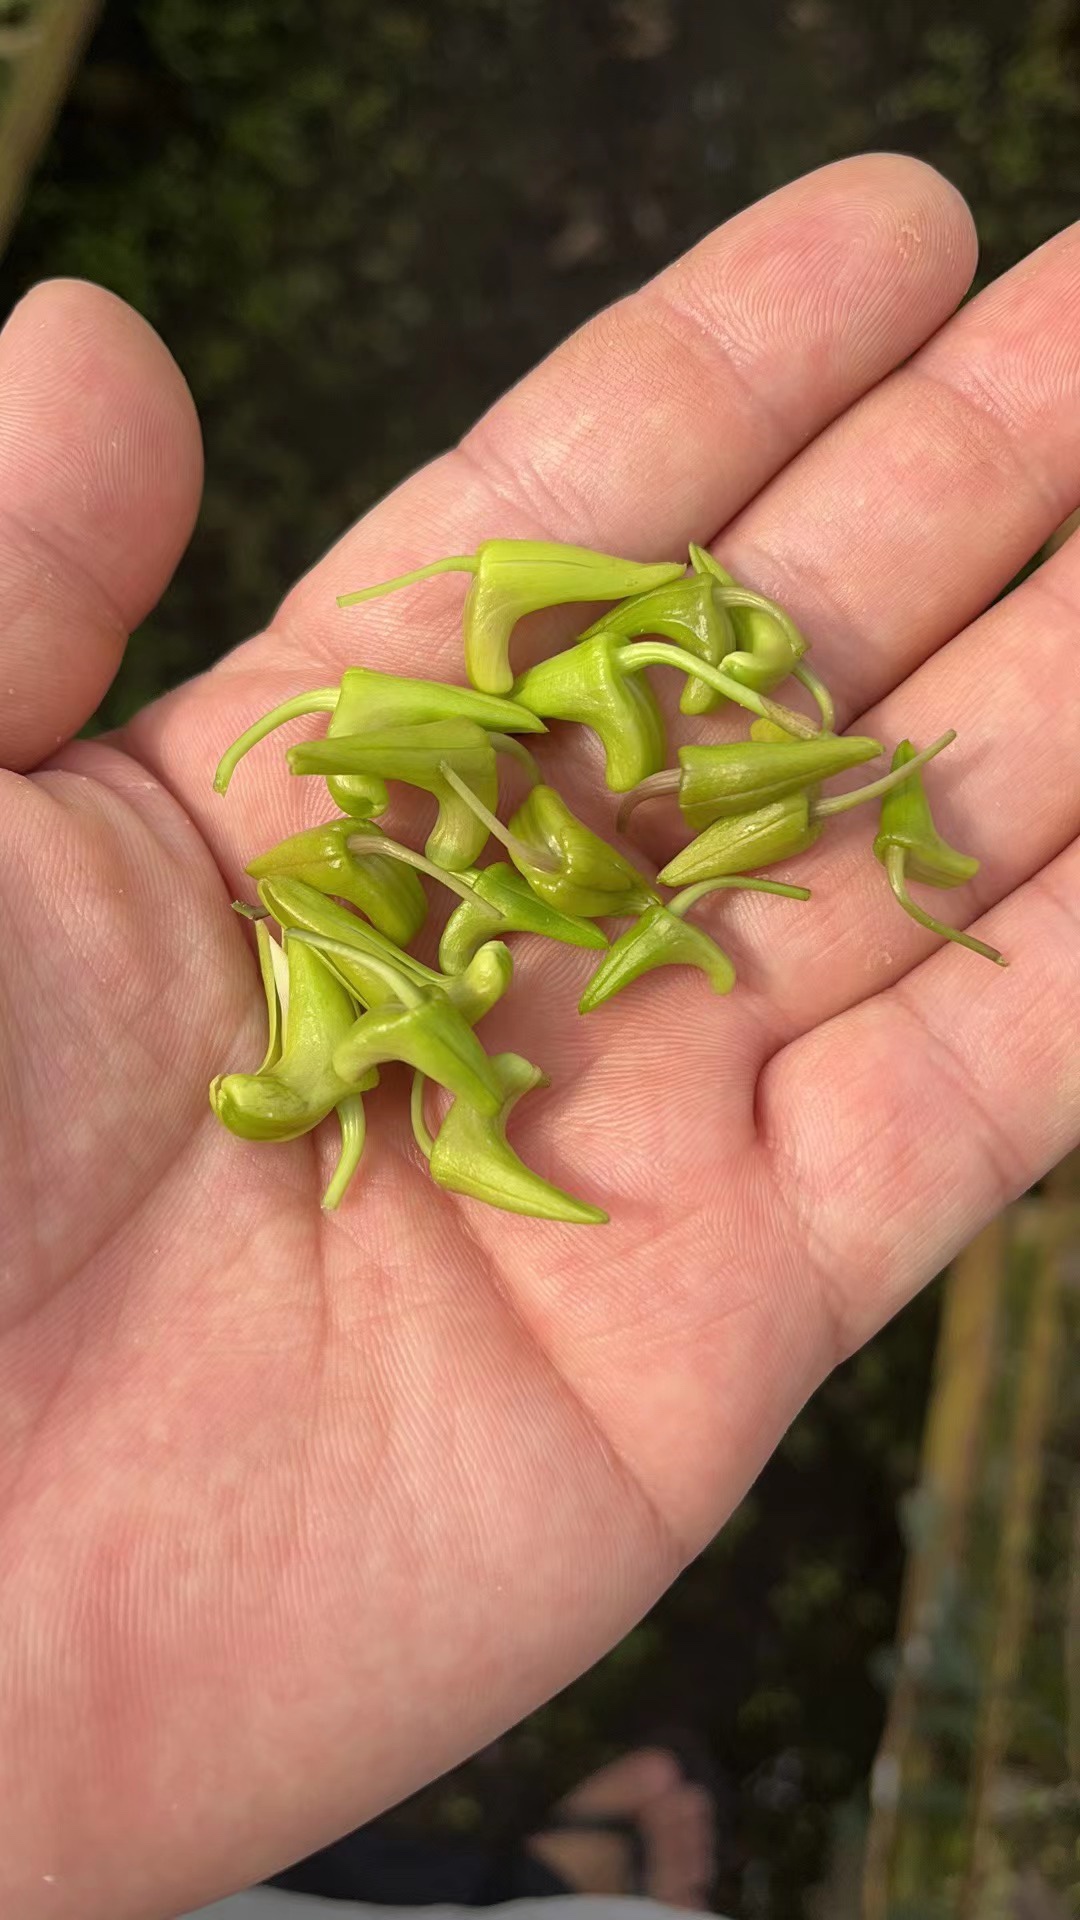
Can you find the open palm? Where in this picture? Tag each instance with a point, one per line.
(296, 1510)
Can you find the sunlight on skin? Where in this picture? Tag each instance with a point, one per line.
(296, 1511)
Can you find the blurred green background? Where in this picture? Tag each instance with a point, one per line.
(354, 225)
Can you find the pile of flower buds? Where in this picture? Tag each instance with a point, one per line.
(345, 996)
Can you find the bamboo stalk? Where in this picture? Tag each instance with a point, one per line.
(43, 67)
(963, 1376)
(1012, 1594)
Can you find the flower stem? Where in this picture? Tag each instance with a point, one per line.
(668, 781)
(690, 896)
(894, 867)
(816, 687)
(736, 596)
(353, 1125)
(517, 750)
(457, 563)
(394, 850)
(532, 856)
(842, 801)
(657, 653)
(319, 700)
(421, 1131)
(403, 988)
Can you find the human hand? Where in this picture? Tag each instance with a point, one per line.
(297, 1510)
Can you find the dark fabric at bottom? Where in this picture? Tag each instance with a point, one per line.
(392, 1871)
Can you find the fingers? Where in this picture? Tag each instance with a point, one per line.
(1005, 791)
(905, 519)
(656, 421)
(650, 427)
(912, 1119)
(100, 472)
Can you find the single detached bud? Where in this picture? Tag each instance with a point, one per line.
(910, 848)
(428, 1033)
(587, 684)
(369, 701)
(739, 842)
(296, 1086)
(505, 901)
(471, 1154)
(690, 613)
(514, 577)
(366, 702)
(418, 756)
(658, 939)
(663, 938)
(737, 776)
(389, 894)
(570, 867)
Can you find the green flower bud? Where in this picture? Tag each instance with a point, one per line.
(570, 867)
(479, 985)
(738, 776)
(769, 646)
(370, 967)
(471, 1154)
(586, 684)
(662, 938)
(500, 890)
(736, 843)
(515, 577)
(418, 756)
(368, 702)
(910, 847)
(357, 954)
(296, 1087)
(658, 939)
(388, 893)
(689, 612)
(426, 1032)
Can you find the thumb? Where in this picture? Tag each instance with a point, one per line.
(100, 477)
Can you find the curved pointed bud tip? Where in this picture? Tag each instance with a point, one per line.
(659, 939)
(471, 1155)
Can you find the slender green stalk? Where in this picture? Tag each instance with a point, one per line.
(816, 687)
(736, 596)
(690, 896)
(319, 700)
(841, 802)
(421, 1131)
(668, 780)
(894, 867)
(657, 653)
(516, 749)
(353, 1125)
(394, 850)
(457, 563)
(535, 856)
(403, 988)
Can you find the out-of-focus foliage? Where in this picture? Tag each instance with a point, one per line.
(355, 225)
